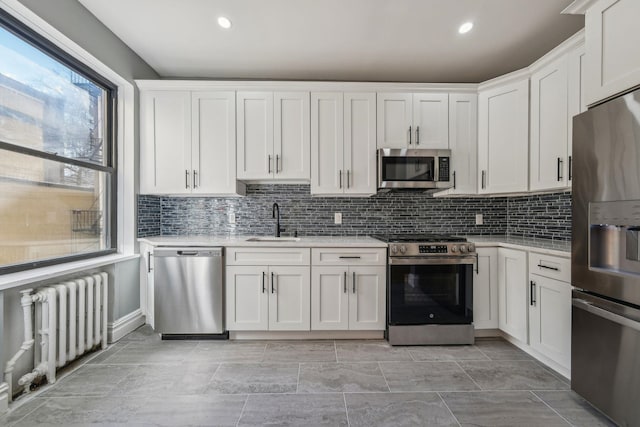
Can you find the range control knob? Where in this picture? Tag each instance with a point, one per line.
(403, 249)
(463, 249)
(454, 248)
(472, 248)
(394, 249)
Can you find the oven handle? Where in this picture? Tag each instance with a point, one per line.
(432, 260)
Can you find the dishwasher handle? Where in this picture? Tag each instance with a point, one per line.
(187, 252)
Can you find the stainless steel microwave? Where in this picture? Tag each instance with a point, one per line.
(419, 168)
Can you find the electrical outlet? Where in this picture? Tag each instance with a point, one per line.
(232, 218)
(479, 219)
(337, 218)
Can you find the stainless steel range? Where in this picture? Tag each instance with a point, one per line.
(430, 289)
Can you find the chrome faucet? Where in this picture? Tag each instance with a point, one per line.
(276, 215)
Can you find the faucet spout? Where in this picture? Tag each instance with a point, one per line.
(276, 216)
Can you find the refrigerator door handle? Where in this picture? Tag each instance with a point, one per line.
(605, 314)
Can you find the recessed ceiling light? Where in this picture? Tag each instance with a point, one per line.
(465, 28)
(224, 22)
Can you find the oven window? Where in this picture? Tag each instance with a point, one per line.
(431, 294)
(408, 168)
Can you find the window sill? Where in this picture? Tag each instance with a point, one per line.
(21, 278)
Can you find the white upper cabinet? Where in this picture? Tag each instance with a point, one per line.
(577, 98)
(343, 159)
(273, 135)
(549, 126)
(255, 135)
(503, 136)
(463, 142)
(213, 152)
(413, 120)
(187, 142)
(612, 38)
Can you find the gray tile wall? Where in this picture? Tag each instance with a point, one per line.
(547, 216)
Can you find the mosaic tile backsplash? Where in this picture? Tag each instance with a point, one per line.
(543, 216)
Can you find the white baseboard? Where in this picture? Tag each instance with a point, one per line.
(121, 327)
(4, 398)
(309, 335)
(487, 333)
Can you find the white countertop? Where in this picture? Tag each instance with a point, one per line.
(546, 246)
(241, 241)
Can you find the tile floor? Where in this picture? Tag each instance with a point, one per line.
(144, 381)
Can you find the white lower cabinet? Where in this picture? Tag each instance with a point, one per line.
(261, 298)
(485, 289)
(348, 298)
(512, 292)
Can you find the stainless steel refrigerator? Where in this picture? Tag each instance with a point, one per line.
(605, 258)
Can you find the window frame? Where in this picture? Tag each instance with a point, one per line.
(22, 31)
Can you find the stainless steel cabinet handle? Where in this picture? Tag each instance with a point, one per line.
(560, 162)
(149, 261)
(348, 177)
(273, 287)
(186, 179)
(570, 167)
(277, 163)
(195, 178)
(532, 291)
(349, 257)
(345, 282)
(340, 176)
(548, 268)
(409, 135)
(417, 135)
(454, 180)
(264, 275)
(354, 282)
(484, 174)
(269, 163)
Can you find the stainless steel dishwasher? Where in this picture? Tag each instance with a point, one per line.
(188, 292)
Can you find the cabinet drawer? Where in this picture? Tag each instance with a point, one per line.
(349, 256)
(268, 256)
(550, 266)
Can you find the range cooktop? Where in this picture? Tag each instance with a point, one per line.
(418, 238)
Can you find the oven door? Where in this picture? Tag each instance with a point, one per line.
(431, 291)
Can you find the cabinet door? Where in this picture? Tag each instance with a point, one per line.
(165, 142)
(576, 96)
(367, 287)
(214, 142)
(329, 298)
(463, 142)
(612, 41)
(327, 121)
(289, 299)
(549, 121)
(512, 292)
(291, 142)
(550, 318)
(394, 120)
(360, 143)
(431, 120)
(255, 135)
(247, 298)
(503, 138)
(485, 289)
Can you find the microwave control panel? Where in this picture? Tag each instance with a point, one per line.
(443, 168)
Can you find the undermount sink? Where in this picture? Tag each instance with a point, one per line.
(273, 239)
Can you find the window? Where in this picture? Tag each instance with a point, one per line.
(57, 154)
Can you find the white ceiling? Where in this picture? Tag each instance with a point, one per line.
(350, 40)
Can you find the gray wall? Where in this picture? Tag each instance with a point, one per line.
(77, 23)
